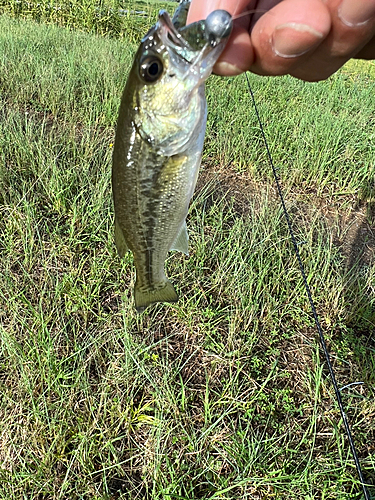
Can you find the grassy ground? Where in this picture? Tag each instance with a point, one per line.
(223, 395)
(130, 19)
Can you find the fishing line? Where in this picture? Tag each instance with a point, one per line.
(308, 291)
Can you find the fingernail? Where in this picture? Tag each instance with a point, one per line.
(356, 13)
(227, 69)
(294, 39)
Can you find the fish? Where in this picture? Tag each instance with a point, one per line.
(159, 141)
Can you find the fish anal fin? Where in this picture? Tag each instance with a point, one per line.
(120, 242)
(164, 293)
(181, 243)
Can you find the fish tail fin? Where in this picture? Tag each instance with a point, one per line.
(144, 298)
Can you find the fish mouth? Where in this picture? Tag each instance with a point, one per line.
(199, 44)
(172, 32)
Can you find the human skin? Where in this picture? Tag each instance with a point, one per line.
(308, 39)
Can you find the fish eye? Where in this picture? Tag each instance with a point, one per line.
(151, 69)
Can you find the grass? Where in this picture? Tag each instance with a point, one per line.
(116, 18)
(225, 394)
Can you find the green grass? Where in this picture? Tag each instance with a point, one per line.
(105, 17)
(225, 394)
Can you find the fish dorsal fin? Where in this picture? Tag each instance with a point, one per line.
(181, 243)
(180, 15)
(121, 245)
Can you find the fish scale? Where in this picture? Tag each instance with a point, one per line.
(158, 145)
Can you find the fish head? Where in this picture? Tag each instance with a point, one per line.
(168, 73)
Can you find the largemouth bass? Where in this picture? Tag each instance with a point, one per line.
(159, 141)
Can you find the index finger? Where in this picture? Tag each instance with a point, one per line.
(200, 10)
(238, 54)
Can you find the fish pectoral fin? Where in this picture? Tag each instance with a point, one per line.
(120, 242)
(143, 298)
(181, 243)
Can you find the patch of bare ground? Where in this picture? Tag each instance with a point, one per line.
(350, 222)
(216, 183)
(354, 234)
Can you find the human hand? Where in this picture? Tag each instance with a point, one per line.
(309, 39)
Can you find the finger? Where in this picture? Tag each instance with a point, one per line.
(368, 51)
(287, 34)
(262, 7)
(238, 55)
(353, 28)
(199, 10)
(358, 13)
